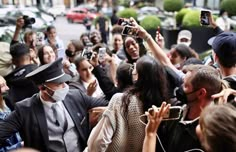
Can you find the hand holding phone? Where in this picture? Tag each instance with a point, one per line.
(205, 17)
(174, 113)
(130, 30)
(123, 22)
(101, 54)
(87, 53)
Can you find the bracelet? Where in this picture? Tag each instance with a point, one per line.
(148, 37)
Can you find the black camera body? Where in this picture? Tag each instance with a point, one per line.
(28, 21)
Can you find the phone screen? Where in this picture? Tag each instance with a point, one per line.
(205, 15)
(101, 54)
(87, 53)
(129, 30)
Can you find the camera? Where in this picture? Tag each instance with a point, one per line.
(28, 21)
(124, 22)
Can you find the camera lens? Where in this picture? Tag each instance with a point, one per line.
(31, 20)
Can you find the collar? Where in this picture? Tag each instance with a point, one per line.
(186, 122)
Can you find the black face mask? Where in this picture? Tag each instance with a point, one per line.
(182, 96)
(70, 53)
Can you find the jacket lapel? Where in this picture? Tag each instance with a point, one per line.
(40, 115)
(74, 113)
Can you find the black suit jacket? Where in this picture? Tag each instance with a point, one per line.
(30, 120)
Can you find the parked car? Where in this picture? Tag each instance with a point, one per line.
(41, 20)
(79, 14)
(49, 19)
(89, 7)
(6, 32)
(57, 10)
(5, 8)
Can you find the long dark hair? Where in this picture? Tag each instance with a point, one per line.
(151, 88)
(142, 49)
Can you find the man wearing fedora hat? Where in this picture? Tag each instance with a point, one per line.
(55, 119)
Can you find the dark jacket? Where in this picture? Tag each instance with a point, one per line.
(20, 87)
(107, 86)
(76, 83)
(30, 120)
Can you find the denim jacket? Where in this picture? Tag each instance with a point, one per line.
(14, 141)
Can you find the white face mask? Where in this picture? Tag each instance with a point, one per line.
(225, 17)
(59, 94)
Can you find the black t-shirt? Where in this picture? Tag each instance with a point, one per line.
(177, 136)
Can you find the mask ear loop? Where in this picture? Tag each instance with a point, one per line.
(46, 87)
(159, 140)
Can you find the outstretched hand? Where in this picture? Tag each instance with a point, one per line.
(94, 61)
(20, 22)
(223, 95)
(142, 33)
(92, 88)
(155, 118)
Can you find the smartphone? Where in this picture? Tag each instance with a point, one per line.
(130, 30)
(101, 54)
(87, 54)
(174, 113)
(205, 17)
(39, 38)
(123, 22)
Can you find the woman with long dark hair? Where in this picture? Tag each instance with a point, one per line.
(133, 48)
(120, 129)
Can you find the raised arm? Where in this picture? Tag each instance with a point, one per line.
(154, 47)
(19, 25)
(154, 120)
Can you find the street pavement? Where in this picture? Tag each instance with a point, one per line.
(68, 31)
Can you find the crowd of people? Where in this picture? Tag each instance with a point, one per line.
(80, 98)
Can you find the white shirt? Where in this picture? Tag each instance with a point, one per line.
(100, 137)
(225, 24)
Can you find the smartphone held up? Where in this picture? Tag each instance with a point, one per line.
(205, 17)
(174, 113)
(130, 30)
(101, 54)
